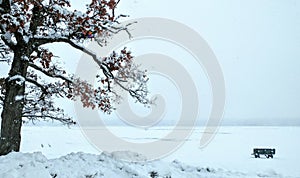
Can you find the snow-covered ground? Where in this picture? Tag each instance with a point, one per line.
(63, 152)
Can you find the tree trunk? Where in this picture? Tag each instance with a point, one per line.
(10, 137)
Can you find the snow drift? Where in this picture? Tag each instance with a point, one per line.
(83, 165)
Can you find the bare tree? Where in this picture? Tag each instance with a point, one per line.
(26, 26)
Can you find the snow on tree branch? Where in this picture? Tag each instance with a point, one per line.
(39, 19)
(27, 25)
(127, 75)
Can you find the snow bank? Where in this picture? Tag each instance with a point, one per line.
(28, 165)
(23, 165)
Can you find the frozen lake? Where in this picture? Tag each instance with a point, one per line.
(230, 149)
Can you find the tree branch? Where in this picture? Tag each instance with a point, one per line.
(36, 19)
(67, 121)
(10, 44)
(41, 41)
(43, 89)
(47, 73)
(135, 93)
(103, 66)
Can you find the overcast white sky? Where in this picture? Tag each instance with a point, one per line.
(257, 43)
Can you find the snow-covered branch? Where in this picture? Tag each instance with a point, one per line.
(30, 24)
(44, 109)
(61, 118)
(42, 87)
(50, 73)
(45, 40)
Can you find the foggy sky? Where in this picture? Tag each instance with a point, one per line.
(257, 43)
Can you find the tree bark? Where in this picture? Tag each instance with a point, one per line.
(10, 137)
(5, 6)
